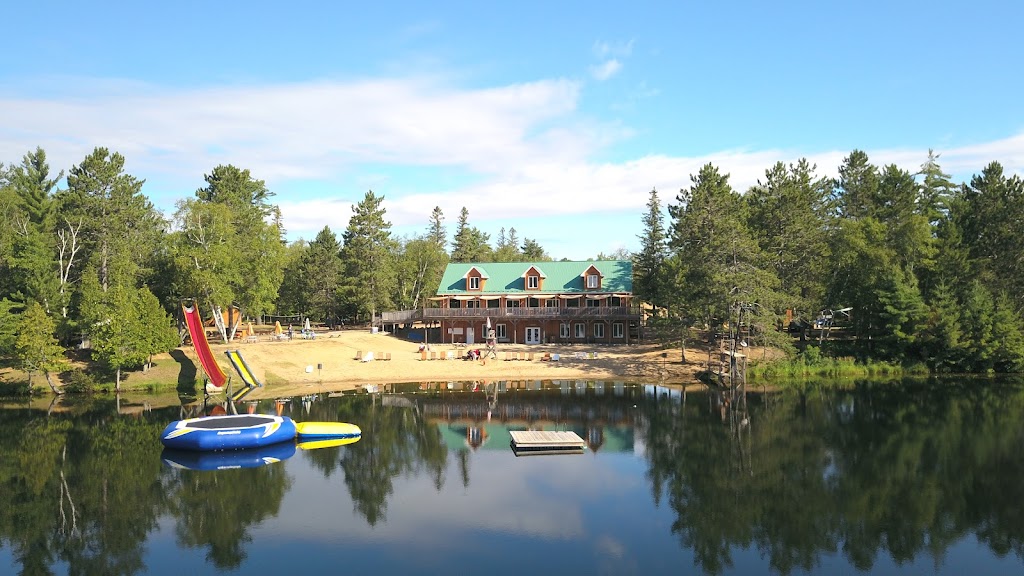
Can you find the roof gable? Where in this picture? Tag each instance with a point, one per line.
(560, 277)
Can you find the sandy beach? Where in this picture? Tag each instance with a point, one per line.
(329, 363)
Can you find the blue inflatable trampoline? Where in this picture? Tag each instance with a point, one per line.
(227, 432)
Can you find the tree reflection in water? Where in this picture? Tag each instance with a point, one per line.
(902, 471)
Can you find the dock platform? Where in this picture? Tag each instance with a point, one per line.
(537, 442)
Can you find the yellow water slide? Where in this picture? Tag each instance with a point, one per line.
(235, 357)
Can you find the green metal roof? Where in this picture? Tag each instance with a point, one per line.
(560, 277)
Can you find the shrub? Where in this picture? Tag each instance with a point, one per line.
(79, 382)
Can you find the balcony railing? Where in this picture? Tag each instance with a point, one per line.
(514, 313)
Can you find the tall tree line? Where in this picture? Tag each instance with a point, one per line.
(930, 272)
(96, 262)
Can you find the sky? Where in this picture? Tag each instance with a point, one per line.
(553, 118)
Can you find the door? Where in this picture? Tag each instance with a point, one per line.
(470, 336)
(533, 335)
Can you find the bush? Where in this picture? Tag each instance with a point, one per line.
(79, 382)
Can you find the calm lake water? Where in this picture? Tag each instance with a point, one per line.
(882, 479)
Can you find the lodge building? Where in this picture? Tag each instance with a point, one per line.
(536, 302)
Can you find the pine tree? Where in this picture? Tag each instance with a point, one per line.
(367, 255)
(649, 264)
(36, 348)
(469, 244)
(437, 232)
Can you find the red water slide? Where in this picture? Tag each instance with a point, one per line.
(202, 346)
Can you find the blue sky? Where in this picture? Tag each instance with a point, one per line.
(555, 118)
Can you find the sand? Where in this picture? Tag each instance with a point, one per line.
(328, 363)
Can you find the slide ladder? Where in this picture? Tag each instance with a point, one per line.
(209, 364)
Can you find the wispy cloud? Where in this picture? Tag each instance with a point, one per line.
(306, 130)
(606, 69)
(605, 49)
(518, 152)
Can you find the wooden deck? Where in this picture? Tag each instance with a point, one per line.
(536, 442)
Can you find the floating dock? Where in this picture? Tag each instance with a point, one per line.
(536, 442)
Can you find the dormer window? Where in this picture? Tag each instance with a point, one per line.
(474, 282)
(532, 282)
(592, 278)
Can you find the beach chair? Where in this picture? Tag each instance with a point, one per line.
(555, 357)
(546, 357)
(450, 355)
(529, 357)
(433, 355)
(508, 356)
(359, 355)
(385, 355)
(423, 354)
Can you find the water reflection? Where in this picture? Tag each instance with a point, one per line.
(881, 479)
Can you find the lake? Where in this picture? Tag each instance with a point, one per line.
(883, 478)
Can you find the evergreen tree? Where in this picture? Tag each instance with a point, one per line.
(292, 297)
(649, 264)
(367, 255)
(469, 244)
(533, 251)
(908, 232)
(120, 229)
(28, 228)
(718, 263)
(131, 328)
(789, 217)
(935, 190)
(320, 273)
(36, 348)
(990, 218)
(507, 248)
(856, 191)
(35, 188)
(437, 232)
(943, 336)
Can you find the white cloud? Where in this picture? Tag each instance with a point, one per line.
(517, 152)
(606, 69)
(306, 130)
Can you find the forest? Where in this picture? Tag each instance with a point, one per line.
(927, 273)
(928, 270)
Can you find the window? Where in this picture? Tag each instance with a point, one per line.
(593, 281)
(474, 282)
(494, 303)
(592, 303)
(572, 303)
(472, 303)
(563, 330)
(617, 330)
(533, 303)
(512, 303)
(599, 330)
(533, 282)
(500, 332)
(453, 303)
(615, 301)
(581, 330)
(551, 303)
